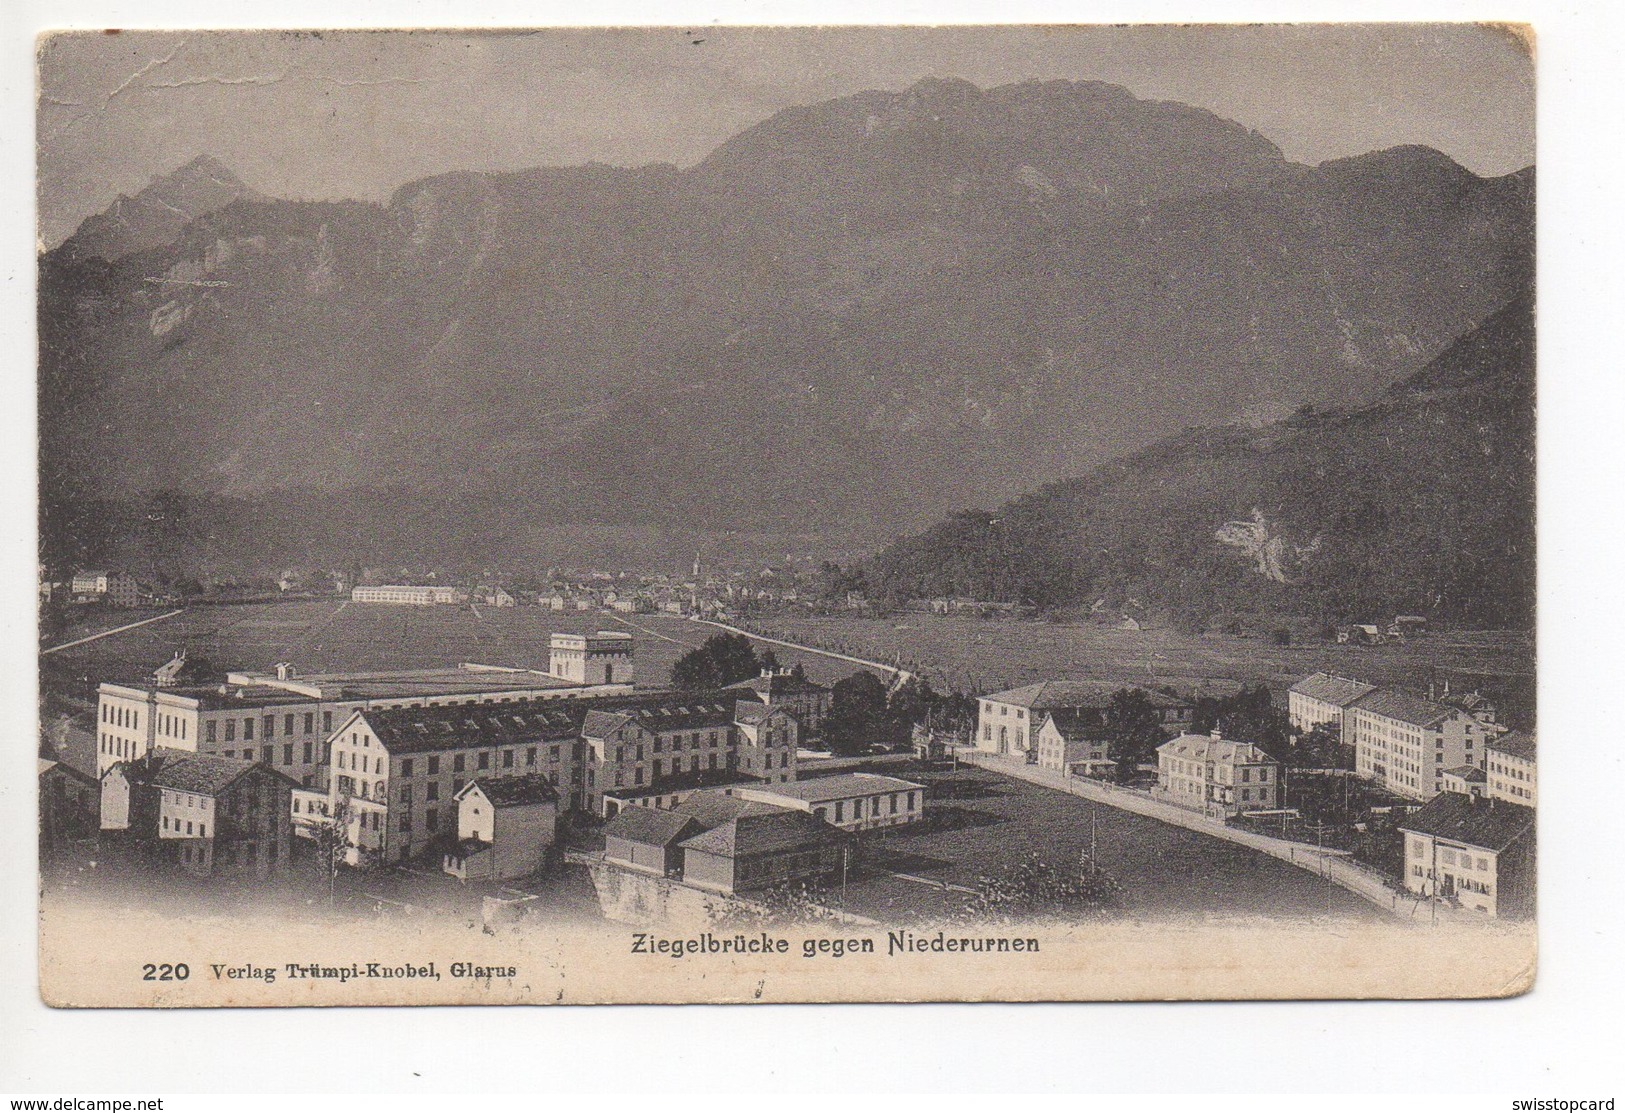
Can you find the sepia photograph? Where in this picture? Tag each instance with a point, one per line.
(710, 514)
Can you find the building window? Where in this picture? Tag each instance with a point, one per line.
(484, 760)
(308, 753)
(270, 725)
(406, 767)
(287, 753)
(327, 721)
(287, 723)
(248, 730)
(431, 791)
(310, 722)
(507, 759)
(457, 763)
(434, 766)
(431, 818)
(231, 730)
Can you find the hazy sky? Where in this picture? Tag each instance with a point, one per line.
(357, 114)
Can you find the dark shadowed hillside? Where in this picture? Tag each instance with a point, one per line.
(844, 322)
(1422, 502)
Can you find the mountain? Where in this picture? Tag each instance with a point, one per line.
(158, 215)
(842, 323)
(1422, 502)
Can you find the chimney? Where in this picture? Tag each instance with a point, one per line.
(285, 671)
(1216, 734)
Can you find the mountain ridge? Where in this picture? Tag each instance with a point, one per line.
(847, 334)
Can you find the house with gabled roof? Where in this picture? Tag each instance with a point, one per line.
(808, 701)
(69, 802)
(1007, 722)
(1404, 742)
(204, 813)
(1509, 766)
(647, 840)
(750, 845)
(1477, 852)
(1217, 776)
(505, 827)
(1321, 699)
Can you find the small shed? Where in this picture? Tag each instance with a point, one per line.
(505, 827)
(648, 839)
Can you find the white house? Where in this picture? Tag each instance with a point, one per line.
(1216, 776)
(505, 826)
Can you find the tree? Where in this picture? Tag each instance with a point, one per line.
(858, 716)
(331, 834)
(721, 660)
(1133, 730)
(1251, 716)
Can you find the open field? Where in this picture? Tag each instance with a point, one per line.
(977, 655)
(333, 635)
(992, 822)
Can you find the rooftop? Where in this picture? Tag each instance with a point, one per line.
(1489, 824)
(1472, 774)
(204, 774)
(1338, 690)
(513, 792)
(840, 786)
(405, 683)
(710, 808)
(539, 720)
(650, 826)
(762, 833)
(1205, 747)
(781, 683)
(1405, 708)
(752, 713)
(1516, 743)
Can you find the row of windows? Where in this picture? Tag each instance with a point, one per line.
(117, 747)
(267, 754)
(127, 717)
(877, 807)
(211, 728)
(202, 828)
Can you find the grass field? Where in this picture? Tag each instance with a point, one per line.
(993, 822)
(976, 655)
(336, 635)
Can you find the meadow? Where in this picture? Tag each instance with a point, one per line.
(971, 654)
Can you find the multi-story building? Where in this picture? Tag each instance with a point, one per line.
(408, 595)
(394, 772)
(1323, 700)
(1477, 852)
(1007, 722)
(590, 659)
(284, 720)
(1072, 743)
(1509, 767)
(204, 813)
(118, 588)
(849, 801)
(1217, 776)
(1405, 743)
(808, 701)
